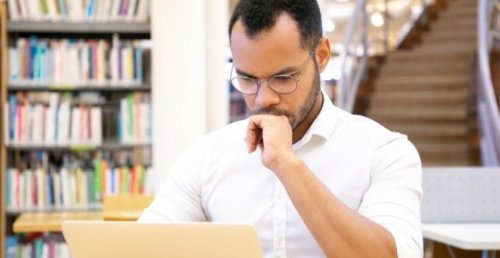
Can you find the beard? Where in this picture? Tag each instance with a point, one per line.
(296, 119)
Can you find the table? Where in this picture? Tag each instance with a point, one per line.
(468, 236)
(50, 221)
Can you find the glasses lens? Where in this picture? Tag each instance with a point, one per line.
(283, 83)
(244, 84)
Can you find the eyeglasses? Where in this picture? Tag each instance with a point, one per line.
(281, 83)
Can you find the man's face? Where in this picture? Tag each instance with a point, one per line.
(277, 51)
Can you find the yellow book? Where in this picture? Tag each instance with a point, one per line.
(40, 177)
(78, 174)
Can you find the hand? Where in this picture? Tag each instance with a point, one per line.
(273, 135)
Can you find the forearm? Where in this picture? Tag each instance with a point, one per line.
(340, 231)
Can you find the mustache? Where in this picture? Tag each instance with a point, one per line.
(271, 111)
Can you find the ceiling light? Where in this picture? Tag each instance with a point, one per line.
(377, 19)
(328, 25)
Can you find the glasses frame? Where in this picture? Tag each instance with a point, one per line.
(258, 82)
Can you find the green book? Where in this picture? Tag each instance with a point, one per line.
(91, 187)
(97, 179)
(125, 174)
(38, 243)
(43, 7)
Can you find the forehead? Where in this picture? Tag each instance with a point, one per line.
(269, 50)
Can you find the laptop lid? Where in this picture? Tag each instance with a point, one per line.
(112, 239)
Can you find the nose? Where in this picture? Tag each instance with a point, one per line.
(266, 97)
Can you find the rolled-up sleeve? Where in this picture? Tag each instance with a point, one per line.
(393, 198)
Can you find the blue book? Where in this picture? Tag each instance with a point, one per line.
(90, 8)
(138, 64)
(12, 116)
(91, 61)
(8, 181)
(49, 190)
(38, 61)
(12, 244)
(33, 55)
(42, 61)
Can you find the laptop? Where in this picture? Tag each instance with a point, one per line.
(113, 239)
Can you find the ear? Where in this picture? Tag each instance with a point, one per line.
(323, 53)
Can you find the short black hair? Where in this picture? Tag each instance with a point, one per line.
(261, 15)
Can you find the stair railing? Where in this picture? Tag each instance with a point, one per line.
(420, 17)
(489, 115)
(355, 50)
(353, 57)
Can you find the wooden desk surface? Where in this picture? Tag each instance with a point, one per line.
(50, 221)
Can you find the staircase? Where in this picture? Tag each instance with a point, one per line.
(425, 93)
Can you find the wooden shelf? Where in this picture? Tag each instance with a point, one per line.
(18, 86)
(93, 27)
(87, 208)
(76, 148)
(50, 221)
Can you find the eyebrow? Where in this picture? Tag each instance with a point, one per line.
(286, 70)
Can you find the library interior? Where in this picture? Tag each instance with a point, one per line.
(101, 99)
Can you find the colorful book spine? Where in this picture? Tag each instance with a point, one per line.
(40, 61)
(49, 118)
(34, 245)
(78, 188)
(55, 10)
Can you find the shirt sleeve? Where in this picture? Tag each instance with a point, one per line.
(179, 196)
(393, 198)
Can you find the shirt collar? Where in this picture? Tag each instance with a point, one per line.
(324, 124)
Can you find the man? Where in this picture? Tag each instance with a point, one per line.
(312, 179)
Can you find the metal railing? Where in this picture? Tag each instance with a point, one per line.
(352, 63)
(489, 115)
(357, 46)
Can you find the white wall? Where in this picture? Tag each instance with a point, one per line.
(190, 95)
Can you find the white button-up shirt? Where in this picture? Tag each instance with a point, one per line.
(370, 169)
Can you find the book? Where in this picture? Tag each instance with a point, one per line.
(38, 61)
(14, 12)
(11, 247)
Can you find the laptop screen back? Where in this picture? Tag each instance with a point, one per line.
(99, 239)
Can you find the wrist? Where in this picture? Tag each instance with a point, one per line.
(285, 164)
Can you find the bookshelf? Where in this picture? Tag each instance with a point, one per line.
(93, 74)
(95, 27)
(78, 87)
(3, 155)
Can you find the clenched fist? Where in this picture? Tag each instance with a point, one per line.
(273, 135)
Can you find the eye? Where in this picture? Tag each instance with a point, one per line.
(245, 80)
(280, 79)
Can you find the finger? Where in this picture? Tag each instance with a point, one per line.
(254, 133)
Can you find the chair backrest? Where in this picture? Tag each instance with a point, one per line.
(466, 194)
(126, 207)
